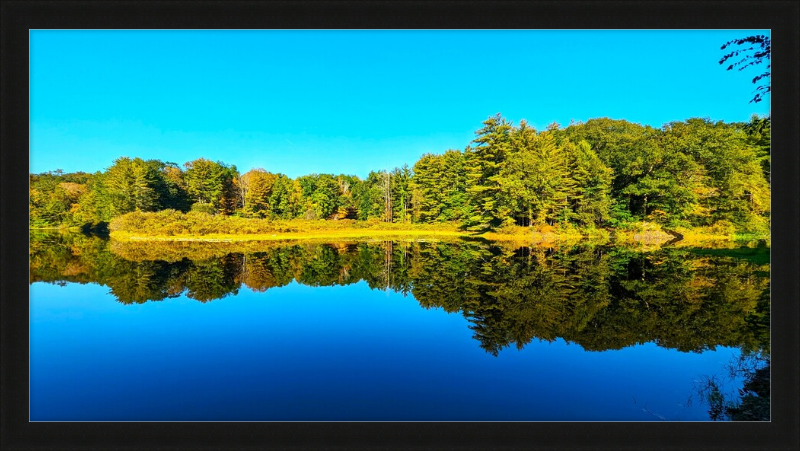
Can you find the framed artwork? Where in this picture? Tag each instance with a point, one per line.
(398, 225)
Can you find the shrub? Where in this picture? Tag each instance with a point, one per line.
(723, 228)
(172, 222)
(201, 207)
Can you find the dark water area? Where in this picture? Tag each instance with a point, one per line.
(396, 331)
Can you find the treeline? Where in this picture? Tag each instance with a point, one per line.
(600, 298)
(602, 173)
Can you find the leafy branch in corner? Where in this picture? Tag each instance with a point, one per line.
(757, 53)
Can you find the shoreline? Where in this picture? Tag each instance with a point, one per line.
(530, 237)
(292, 236)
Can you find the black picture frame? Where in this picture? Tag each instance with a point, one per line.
(781, 17)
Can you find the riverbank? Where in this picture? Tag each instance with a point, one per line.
(289, 236)
(653, 238)
(173, 226)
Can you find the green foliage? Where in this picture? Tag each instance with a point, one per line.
(730, 183)
(758, 136)
(482, 166)
(690, 173)
(535, 182)
(255, 192)
(61, 200)
(438, 188)
(369, 197)
(320, 194)
(602, 173)
(200, 207)
(132, 184)
(591, 200)
(211, 183)
(172, 188)
(400, 191)
(599, 298)
(285, 198)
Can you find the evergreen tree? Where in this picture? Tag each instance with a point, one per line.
(132, 185)
(401, 194)
(591, 200)
(534, 181)
(427, 188)
(483, 164)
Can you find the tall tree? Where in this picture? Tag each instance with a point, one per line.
(482, 166)
(438, 187)
(320, 195)
(427, 187)
(209, 182)
(736, 188)
(591, 199)
(401, 194)
(255, 190)
(347, 205)
(534, 181)
(133, 185)
(285, 198)
(643, 172)
(173, 188)
(370, 197)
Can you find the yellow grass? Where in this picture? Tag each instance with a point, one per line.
(523, 236)
(643, 234)
(282, 236)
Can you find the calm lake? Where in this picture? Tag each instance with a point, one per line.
(386, 331)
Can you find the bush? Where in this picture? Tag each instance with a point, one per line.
(201, 207)
(172, 222)
(722, 228)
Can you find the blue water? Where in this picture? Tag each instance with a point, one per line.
(301, 353)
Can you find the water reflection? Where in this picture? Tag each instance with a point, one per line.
(600, 298)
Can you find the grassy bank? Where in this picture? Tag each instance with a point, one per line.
(170, 225)
(174, 226)
(283, 236)
(60, 228)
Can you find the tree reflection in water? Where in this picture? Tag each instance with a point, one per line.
(598, 297)
(749, 403)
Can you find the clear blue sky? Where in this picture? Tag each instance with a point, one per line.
(300, 102)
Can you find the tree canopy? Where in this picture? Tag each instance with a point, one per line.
(601, 173)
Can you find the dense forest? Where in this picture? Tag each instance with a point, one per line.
(598, 174)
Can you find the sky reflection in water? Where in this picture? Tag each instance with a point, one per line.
(300, 352)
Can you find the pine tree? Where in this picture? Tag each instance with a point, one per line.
(132, 185)
(535, 181)
(482, 166)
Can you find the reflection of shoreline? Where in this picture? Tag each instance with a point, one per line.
(640, 241)
(200, 249)
(600, 297)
